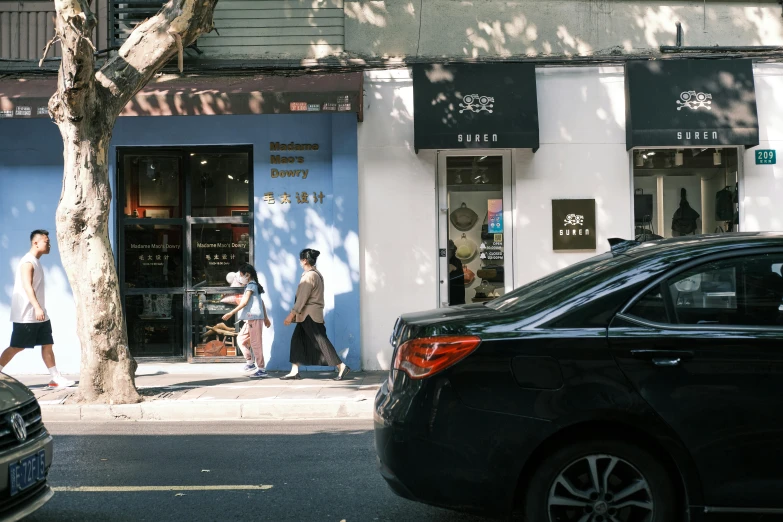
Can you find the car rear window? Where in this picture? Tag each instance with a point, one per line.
(561, 285)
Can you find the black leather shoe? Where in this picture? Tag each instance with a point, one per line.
(294, 377)
(342, 375)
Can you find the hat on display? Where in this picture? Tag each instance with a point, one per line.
(466, 248)
(463, 218)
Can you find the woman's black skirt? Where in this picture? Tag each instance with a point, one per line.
(311, 347)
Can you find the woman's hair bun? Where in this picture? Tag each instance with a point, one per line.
(310, 255)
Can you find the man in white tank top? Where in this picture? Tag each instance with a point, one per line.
(28, 310)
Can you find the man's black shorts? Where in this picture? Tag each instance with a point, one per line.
(30, 335)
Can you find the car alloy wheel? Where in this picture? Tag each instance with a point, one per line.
(599, 480)
(600, 488)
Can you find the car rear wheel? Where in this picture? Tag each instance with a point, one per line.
(600, 481)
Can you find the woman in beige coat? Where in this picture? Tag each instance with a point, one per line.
(309, 344)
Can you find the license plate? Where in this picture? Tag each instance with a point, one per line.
(27, 472)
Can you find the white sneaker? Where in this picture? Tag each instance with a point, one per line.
(60, 382)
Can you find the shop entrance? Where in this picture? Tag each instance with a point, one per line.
(185, 222)
(475, 226)
(685, 191)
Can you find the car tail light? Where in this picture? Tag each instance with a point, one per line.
(425, 357)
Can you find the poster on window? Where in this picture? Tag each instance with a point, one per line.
(495, 216)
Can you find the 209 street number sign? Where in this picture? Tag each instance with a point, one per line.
(765, 157)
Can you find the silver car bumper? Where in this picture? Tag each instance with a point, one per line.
(24, 502)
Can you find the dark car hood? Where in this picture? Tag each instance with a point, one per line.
(12, 393)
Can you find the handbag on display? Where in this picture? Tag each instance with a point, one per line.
(485, 235)
(491, 273)
(684, 218)
(469, 275)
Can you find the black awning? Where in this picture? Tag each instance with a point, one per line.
(475, 106)
(690, 102)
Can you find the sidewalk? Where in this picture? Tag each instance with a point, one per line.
(183, 392)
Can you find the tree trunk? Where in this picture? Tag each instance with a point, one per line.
(85, 108)
(107, 367)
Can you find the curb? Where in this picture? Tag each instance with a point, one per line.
(195, 410)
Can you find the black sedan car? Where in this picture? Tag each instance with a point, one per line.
(644, 384)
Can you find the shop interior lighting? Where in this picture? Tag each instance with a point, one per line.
(678, 158)
(203, 162)
(716, 157)
(639, 160)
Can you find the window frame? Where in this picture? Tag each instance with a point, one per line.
(661, 280)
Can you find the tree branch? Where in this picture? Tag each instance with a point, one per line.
(51, 42)
(74, 23)
(150, 46)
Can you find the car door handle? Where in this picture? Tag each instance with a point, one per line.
(663, 357)
(666, 361)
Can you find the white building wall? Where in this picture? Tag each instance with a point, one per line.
(581, 114)
(762, 208)
(397, 214)
(582, 156)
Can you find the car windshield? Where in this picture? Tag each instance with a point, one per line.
(571, 279)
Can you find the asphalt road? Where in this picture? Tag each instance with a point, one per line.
(300, 471)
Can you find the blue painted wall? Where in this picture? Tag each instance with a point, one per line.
(31, 168)
(30, 185)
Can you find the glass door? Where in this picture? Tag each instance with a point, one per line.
(220, 240)
(475, 226)
(186, 225)
(152, 257)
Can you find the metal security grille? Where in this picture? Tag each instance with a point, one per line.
(125, 16)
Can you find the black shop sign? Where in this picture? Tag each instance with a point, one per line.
(573, 224)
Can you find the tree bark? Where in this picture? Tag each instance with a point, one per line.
(85, 108)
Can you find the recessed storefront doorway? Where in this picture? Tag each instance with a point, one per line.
(685, 191)
(475, 226)
(185, 223)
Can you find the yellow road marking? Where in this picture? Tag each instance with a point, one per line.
(131, 489)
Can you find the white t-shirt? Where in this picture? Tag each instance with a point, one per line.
(22, 310)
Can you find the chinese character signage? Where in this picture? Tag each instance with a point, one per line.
(573, 224)
(288, 156)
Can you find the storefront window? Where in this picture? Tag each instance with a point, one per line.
(154, 324)
(153, 256)
(185, 223)
(216, 250)
(152, 186)
(220, 184)
(212, 336)
(680, 192)
(476, 230)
